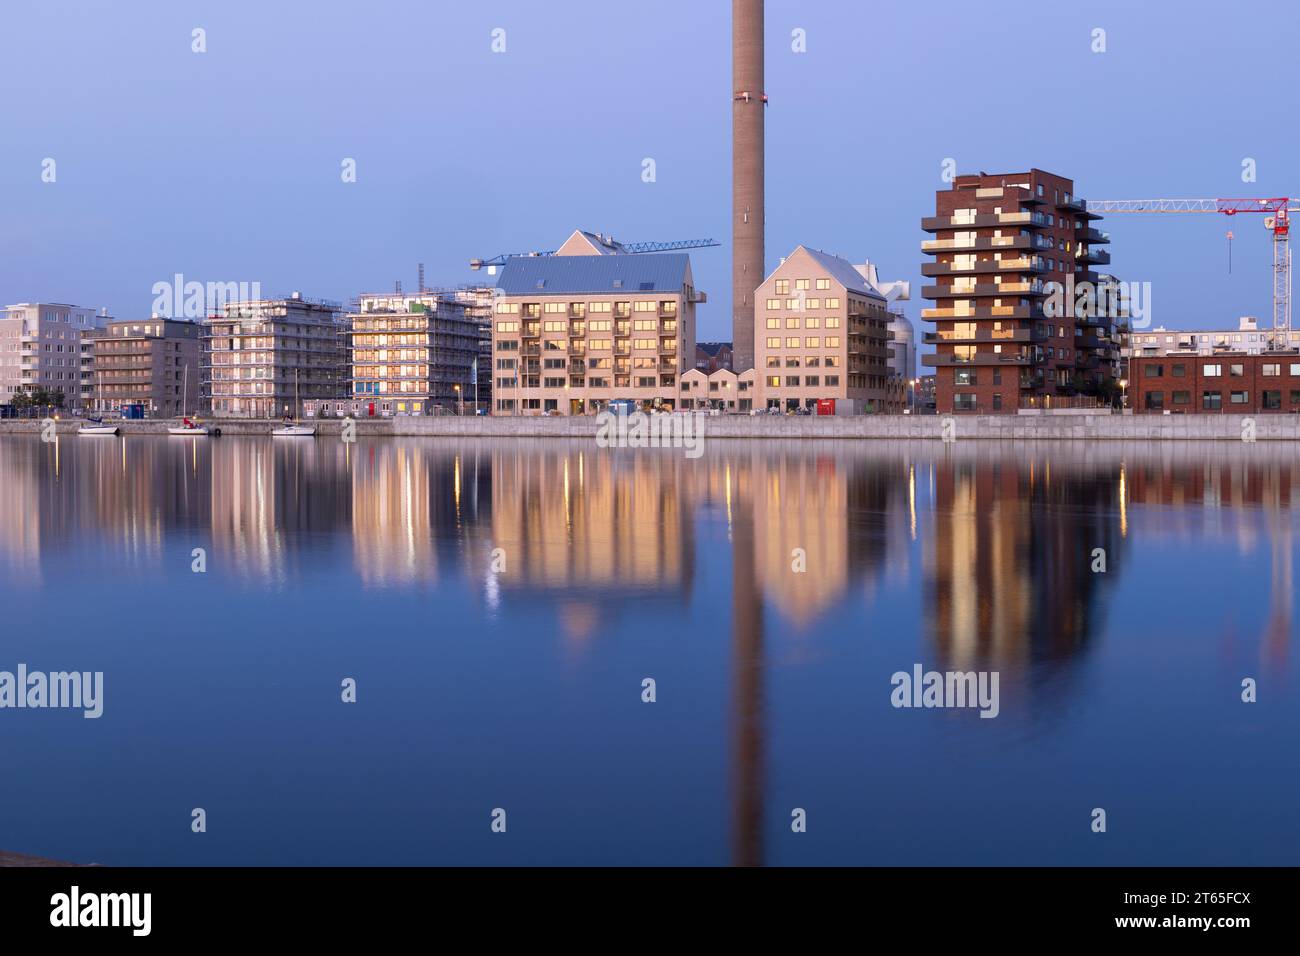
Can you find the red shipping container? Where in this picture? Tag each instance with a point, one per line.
(825, 406)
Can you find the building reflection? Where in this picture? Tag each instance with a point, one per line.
(1009, 576)
(1006, 538)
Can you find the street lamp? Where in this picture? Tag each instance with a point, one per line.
(460, 402)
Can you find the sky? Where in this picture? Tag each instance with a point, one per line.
(226, 165)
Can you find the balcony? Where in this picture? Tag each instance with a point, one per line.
(1032, 379)
(1031, 220)
(1089, 234)
(1072, 204)
(978, 244)
(980, 289)
(1022, 264)
(1034, 311)
(1096, 256)
(946, 359)
(949, 337)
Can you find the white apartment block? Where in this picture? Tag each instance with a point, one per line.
(40, 348)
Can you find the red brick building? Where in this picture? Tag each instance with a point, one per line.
(1233, 382)
(999, 243)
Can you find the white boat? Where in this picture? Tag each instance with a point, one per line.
(96, 427)
(187, 427)
(290, 427)
(294, 430)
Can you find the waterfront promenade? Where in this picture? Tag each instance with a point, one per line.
(1060, 427)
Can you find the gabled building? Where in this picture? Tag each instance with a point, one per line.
(591, 323)
(823, 337)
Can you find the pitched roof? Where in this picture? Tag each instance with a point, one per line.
(841, 270)
(601, 275)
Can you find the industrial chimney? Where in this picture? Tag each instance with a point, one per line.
(748, 103)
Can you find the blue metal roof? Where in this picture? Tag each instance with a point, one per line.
(601, 275)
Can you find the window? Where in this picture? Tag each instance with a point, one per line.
(832, 381)
(1272, 369)
(1155, 371)
(812, 323)
(792, 323)
(997, 403)
(813, 303)
(832, 322)
(964, 402)
(773, 304)
(800, 283)
(1272, 399)
(1212, 371)
(792, 342)
(964, 376)
(823, 283)
(832, 341)
(812, 380)
(1178, 371)
(773, 323)
(1236, 371)
(1182, 398)
(812, 342)
(1212, 401)
(832, 303)
(792, 380)
(1155, 400)
(782, 286)
(1239, 397)
(773, 342)
(774, 381)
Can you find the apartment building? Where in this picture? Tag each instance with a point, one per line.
(40, 349)
(1231, 381)
(591, 323)
(711, 356)
(823, 337)
(413, 354)
(1247, 337)
(1003, 245)
(152, 363)
(259, 356)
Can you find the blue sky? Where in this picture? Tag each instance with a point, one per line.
(225, 166)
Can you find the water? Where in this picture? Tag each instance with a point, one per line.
(522, 690)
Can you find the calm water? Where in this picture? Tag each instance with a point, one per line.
(522, 689)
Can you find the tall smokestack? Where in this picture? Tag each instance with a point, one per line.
(748, 103)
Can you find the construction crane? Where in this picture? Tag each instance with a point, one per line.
(634, 248)
(1278, 220)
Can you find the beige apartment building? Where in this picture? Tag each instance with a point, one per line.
(258, 356)
(152, 363)
(823, 337)
(40, 349)
(589, 324)
(412, 354)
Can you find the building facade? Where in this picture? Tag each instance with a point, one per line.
(414, 354)
(153, 363)
(823, 336)
(259, 358)
(41, 351)
(1247, 337)
(1001, 245)
(575, 330)
(1194, 383)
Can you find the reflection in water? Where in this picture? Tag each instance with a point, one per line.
(1006, 537)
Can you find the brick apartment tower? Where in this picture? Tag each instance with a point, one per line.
(748, 103)
(999, 240)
